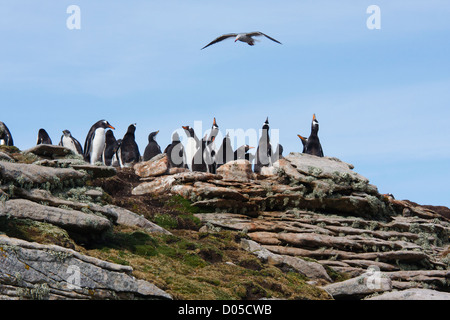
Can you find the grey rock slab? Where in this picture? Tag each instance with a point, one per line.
(36, 271)
(71, 220)
(413, 294)
(20, 173)
(48, 150)
(359, 287)
(310, 269)
(129, 218)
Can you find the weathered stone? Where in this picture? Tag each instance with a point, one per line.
(39, 195)
(71, 220)
(129, 218)
(413, 294)
(31, 174)
(35, 271)
(50, 151)
(156, 166)
(5, 157)
(323, 167)
(96, 171)
(238, 170)
(310, 269)
(359, 287)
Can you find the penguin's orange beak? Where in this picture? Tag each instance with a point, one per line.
(214, 123)
(314, 116)
(251, 147)
(185, 127)
(110, 126)
(301, 137)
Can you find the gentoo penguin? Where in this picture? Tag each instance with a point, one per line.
(264, 150)
(5, 136)
(278, 153)
(175, 153)
(128, 152)
(209, 155)
(95, 141)
(70, 142)
(152, 148)
(198, 162)
(212, 149)
(225, 152)
(242, 153)
(115, 158)
(111, 146)
(313, 144)
(192, 145)
(304, 141)
(43, 137)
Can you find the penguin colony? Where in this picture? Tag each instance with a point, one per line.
(196, 154)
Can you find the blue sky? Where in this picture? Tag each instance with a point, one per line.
(381, 96)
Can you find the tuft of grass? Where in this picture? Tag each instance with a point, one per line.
(212, 266)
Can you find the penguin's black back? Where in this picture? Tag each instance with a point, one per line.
(198, 162)
(111, 146)
(225, 152)
(264, 150)
(152, 149)
(175, 153)
(5, 134)
(313, 145)
(129, 149)
(43, 137)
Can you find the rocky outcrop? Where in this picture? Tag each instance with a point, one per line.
(297, 181)
(71, 220)
(52, 194)
(31, 175)
(312, 270)
(412, 294)
(35, 271)
(312, 216)
(360, 287)
(407, 250)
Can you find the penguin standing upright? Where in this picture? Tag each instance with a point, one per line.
(225, 152)
(209, 155)
(192, 145)
(111, 146)
(304, 142)
(95, 141)
(128, 152)
(264, 149)
(43, 137)
(242, 153)
(198, 161)
(278, 153)
(5, 136)
(175, 153)
(152, 149)
(70, 142)
(313, 145)
(211, 146)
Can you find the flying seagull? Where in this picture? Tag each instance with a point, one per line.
(244, 37)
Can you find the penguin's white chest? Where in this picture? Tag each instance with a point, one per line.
(98, 144)
(68, 143)
(191, 148)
